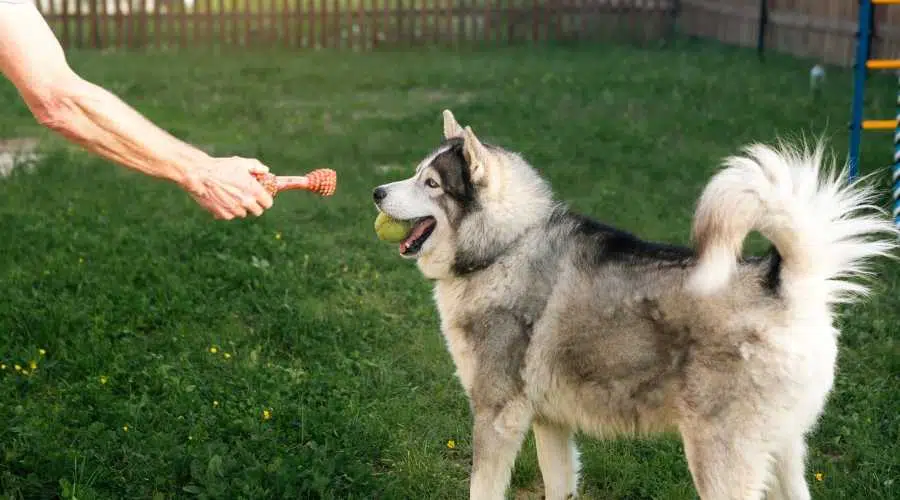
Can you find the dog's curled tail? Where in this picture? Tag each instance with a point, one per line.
(825, 229)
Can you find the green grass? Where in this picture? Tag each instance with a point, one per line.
(123, 279)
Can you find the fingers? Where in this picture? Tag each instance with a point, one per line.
(259, 196)
(232, 192)
(253, 206)
(254, 198)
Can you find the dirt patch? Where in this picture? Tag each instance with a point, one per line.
(17, 152)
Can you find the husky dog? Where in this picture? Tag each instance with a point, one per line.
(562, 324)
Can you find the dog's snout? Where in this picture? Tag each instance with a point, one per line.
(379, 194)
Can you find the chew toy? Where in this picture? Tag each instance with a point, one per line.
(322, 181)
(390, 229)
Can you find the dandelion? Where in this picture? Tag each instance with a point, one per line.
(215, 404)
(33, 364)
(81, 260)
(190, 438)
(24, 372)
(451, 444)
(213, 350)
(104, 379)
(18, 368)
(2, 366)
(267, 414)
(278, 235)
(819, 476)
(125, 428)
(42, 352)
(227, 355)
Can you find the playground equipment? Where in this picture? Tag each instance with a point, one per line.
(857, 124)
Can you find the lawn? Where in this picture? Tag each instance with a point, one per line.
(295, 355)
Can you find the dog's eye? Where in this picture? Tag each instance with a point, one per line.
(431, 183)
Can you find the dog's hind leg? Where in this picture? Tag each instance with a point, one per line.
(497, 438)
(726, 466)
(558, 459)
(790, 467)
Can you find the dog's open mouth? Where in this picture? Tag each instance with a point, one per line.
(421, 230)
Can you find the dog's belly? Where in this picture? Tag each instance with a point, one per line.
(616, 366)
(634, 397)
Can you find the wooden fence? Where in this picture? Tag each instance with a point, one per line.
(350, 24)
(824, 30)
(821, 29)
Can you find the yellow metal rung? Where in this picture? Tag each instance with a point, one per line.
(879, 124)
(886, 2)
(883, 63)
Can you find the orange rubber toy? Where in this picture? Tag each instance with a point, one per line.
(322, 181)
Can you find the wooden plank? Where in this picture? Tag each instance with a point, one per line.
(207, 22)
(184, 29)
(323, 24)
(104, 20)
(285, 21)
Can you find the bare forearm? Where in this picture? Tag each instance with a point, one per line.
(88, 115)
(31, 57)
(100, 122)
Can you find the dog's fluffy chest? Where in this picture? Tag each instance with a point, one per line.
(489, 316)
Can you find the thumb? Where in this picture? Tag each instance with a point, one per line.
(256, 167)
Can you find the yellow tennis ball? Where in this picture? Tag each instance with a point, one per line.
(390, 229)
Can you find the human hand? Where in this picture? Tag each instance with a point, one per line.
(226, 188)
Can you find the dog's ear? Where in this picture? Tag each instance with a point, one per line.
(475, 154)
(452, 129)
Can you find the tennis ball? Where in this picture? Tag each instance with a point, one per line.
(390, 229)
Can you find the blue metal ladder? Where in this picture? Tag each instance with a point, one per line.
(857, 124)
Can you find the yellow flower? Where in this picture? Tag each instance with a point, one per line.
(42, 352)
(278, 236)
(125, 428)
(451, 444)
(213, 350)
(24, 372)
(104, 379)
(33, 364)
(18, 368)
(227, 355)
(819, 476)
(267, 414)
(215, 403)
(81, 260)
(2, 366)
(190, 438)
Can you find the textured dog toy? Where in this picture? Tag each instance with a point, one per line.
(322, 181)
(390, 229)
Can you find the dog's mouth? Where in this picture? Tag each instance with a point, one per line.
(418, 235)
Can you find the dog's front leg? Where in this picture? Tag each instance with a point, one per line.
(497, 438)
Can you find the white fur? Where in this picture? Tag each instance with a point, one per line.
(812, 215)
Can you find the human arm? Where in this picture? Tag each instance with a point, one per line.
(90, 116)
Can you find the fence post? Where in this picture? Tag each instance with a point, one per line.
(674, 12)
(761, 31)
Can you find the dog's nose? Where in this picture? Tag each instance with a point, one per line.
(379, 194)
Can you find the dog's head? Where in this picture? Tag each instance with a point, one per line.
(467, 201)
